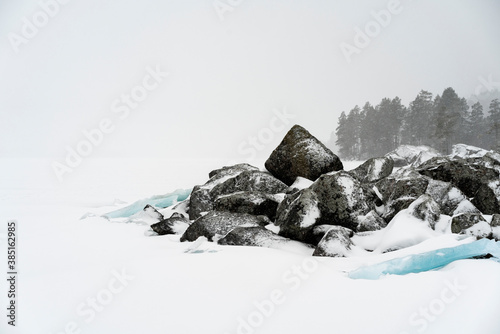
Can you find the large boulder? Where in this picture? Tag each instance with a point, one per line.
(399, 191)
(176, 224)
(335, 243)
(472, 179)
(373, 169)
(298, 214)
(229, 180)
(252, 202)
(220, 223)
(341, 199)
(301, 154)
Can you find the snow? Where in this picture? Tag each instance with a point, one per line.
(313, 213)
(202, 287)
(301, 183)
(467, 151)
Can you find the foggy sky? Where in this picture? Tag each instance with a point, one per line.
(227, 79)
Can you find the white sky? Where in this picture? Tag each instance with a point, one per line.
(226, 77)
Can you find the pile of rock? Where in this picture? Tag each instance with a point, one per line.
(306, 196)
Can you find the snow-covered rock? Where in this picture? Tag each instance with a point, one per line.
(220, 223)
(342, 199)
(373, 169)
(407, 154)
(229, 180)
(259, 237)
(371, 222)
(426, 209)
(399, 191)
(335, 243)
(471, 224)
(153, 213)
(176, 224)
(474, 180)
(298, 215)
(301, 154)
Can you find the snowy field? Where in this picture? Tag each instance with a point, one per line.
(95, 276)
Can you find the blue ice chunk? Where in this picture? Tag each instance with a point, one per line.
(159, 201)
(427, 261)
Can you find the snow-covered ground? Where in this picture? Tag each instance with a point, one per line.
(95, 276)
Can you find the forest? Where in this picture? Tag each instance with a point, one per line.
(438, 121)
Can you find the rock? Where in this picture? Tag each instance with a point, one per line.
(335, 243)
(472, 179)
(249, 181)
(426, 209)
(251, 202)
(176, 224)
(371, 222)
(153, 213)
(406, 155)
(254, 236)
(231, 170)
(471, 224)
(485, 200)
(495, 220)
(466, 151)
(227, 180)
(399, 191)
(220, 223)
(373, 170)
(301, 154)
(318, 232)
(495, 227)
(341, 199)
(298, 215)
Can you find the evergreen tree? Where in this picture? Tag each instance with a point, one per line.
(369, 131)
(476, 125)
(448, 111)
(494, 123)
(416, 123)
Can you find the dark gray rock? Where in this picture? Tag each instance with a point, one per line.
(399, 191)
(341, 199)
(176, 224)
(373, 169)
(229, 180)
(371, 222)
(465, 223)
(253, 236)
(485, 200)
(495, 220)
(251, 202)
(425, 208)
(472, 179)
(335, 243)
(301, 154)
(298, 215)
(220, 223)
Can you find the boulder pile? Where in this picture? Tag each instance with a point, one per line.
(305, 196)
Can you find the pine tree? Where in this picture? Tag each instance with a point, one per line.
(494, 123)
(476, 125)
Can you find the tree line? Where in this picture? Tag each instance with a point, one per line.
(439, 122)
